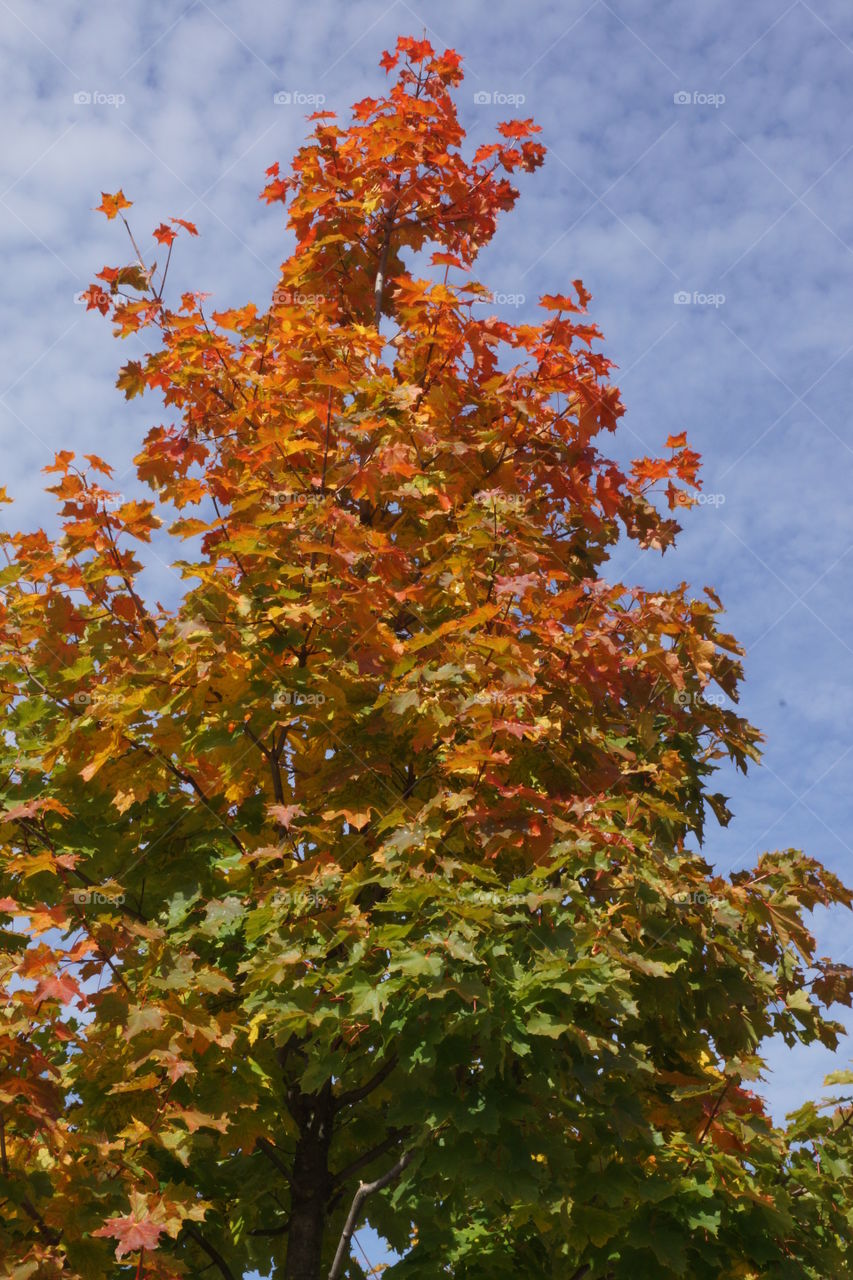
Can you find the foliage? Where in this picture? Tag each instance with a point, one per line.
(378, 843)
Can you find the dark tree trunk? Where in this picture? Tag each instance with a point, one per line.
(309, 1189)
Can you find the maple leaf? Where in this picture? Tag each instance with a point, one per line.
(145, 1018)
(284, 813)
(96, 299)
(352, 817)
(131, 380)
(98, 464)
(518, 128)
(112, 205)
(131, 1233)
(164, 234)
(31, 808)
(557, 302)
(187, 226)
(61, 462)
(61, 986)
(416, 50)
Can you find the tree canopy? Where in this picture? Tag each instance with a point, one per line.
(364, 881)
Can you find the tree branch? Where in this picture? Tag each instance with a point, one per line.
(712, 1117)
(47, 1233)
(365, 1189)
(379, 282)
(214, 1254)
(272, 758)
(352, 1096)
(272, 1155)
(369, 1156)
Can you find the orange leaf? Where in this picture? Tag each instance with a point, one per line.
(112, 205)
(187, 226)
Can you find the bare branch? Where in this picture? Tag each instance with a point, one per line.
(365, 1189)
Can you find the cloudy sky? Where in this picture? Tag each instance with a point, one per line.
(698, 180)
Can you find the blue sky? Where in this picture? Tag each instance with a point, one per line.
(696, 149)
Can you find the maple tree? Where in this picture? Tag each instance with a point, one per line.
(359, 884)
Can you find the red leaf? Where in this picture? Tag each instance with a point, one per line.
(164, 234)
(584, 296)
(417, 50)
(96, 299)
(556, 302)
(518, 128)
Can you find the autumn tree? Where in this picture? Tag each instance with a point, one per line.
(362, 883)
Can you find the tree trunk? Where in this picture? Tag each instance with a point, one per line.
(309, 1192)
